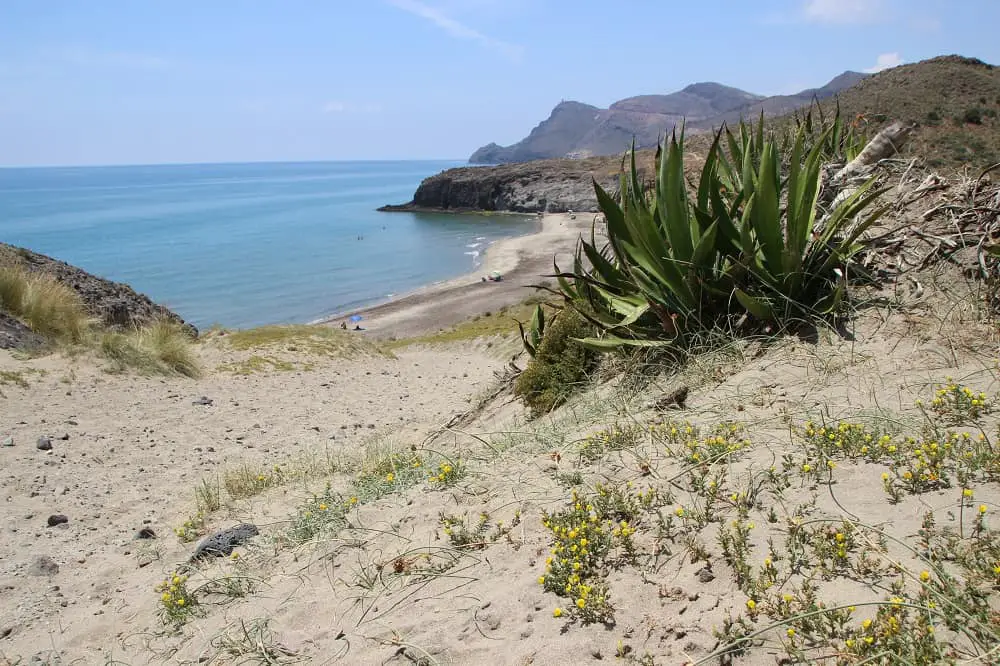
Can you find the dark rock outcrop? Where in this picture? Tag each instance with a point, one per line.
(552, 186)
(116, 305)
(15, 335)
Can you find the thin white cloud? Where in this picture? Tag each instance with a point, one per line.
(334, 107)
(885, 61)
(843, 11)
(456, 28)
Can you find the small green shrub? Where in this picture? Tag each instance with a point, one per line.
(560, 364)
(933, 119)
(973, 116)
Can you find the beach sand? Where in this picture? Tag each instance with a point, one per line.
(418, 573)
(522, 261)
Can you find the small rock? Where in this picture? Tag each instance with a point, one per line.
(57, 519)
(705, 575)
(6, 630)
(64, 437)
(203, 400)
(44, 444)
(43, 566)
(8, 441)
(61, 490)
(146, 533)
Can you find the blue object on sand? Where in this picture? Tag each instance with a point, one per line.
(356, 317)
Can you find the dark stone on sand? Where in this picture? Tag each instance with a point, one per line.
(57, 519)
(44, 444)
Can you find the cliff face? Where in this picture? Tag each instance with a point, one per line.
(115, 304)
(552, 186)
(581, 130)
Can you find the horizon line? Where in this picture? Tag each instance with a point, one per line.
(112, 165)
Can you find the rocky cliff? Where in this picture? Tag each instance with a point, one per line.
(580, 130)
(552, 186)
(115, 304)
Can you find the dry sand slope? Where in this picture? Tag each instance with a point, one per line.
(126, 453)
(400, 570)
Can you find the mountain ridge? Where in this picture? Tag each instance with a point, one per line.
(576, 129)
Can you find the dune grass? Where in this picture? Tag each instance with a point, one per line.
(160, 348)
(317, 340)
(47, 306)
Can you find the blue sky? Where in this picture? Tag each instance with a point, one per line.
(125, 82)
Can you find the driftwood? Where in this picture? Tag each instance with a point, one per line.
(886, 143)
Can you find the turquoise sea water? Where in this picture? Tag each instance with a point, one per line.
(247, 244)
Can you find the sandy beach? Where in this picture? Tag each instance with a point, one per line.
(522, 261)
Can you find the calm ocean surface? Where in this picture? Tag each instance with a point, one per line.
(247, 244)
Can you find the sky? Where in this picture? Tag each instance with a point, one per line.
(126, 82)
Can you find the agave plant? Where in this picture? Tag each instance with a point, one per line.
(532, 337)
(752, 243)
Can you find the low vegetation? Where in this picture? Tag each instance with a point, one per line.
(560, 365)
(736, 257)
(163, 347)
(56, 312)
(47, 306)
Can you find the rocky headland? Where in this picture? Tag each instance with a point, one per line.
(540, 186)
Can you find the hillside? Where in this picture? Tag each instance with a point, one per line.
(581, 130)
(955, 102)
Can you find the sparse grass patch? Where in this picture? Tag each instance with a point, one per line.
(252, 642)
(324, 514)
(385, 471)
(247, 480)
(476, 536)
(258, 363)
(316, 340)
(613, 438)
(17, 377)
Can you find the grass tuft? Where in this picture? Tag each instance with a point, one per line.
(47, 306)
(161, 348)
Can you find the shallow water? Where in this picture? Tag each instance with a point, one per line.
(248, 244)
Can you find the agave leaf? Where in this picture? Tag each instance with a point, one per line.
(755, 306)
(671, 193)
(831, 302)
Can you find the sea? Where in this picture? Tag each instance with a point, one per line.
(243, 245)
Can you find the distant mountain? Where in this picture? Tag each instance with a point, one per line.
(580, 130)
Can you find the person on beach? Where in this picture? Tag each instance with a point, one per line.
(343, 325)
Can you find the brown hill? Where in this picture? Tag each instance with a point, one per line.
(581, 130)
(954, 100)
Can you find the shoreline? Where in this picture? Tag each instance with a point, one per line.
(521, 260)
